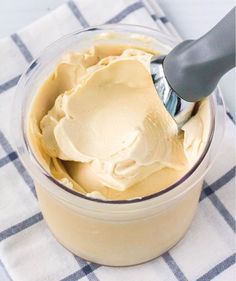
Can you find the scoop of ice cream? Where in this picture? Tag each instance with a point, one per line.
(98, 126)
(114, 120)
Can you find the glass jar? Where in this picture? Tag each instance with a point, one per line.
(123, 232)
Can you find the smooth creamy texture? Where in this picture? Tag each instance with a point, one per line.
(109, 127)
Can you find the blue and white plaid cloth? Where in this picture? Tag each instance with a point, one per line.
(28, 251)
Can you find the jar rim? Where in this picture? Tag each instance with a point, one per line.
(24, 148)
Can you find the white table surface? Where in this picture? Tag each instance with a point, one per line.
(191, 18)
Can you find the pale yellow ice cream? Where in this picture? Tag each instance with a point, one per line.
(104, 131)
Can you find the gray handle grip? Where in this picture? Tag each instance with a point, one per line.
(194, 67)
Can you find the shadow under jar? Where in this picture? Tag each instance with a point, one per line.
(121, 232)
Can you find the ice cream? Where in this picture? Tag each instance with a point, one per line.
(105, 132)
(96, 125)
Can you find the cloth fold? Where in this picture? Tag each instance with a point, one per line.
(28, 251)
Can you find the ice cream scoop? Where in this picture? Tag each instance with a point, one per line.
(193, 68)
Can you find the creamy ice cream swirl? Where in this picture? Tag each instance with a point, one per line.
(108, 123)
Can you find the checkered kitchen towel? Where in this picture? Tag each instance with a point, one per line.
(28, 251)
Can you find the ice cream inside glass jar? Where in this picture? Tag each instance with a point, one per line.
(118, 183)
(98, 126)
